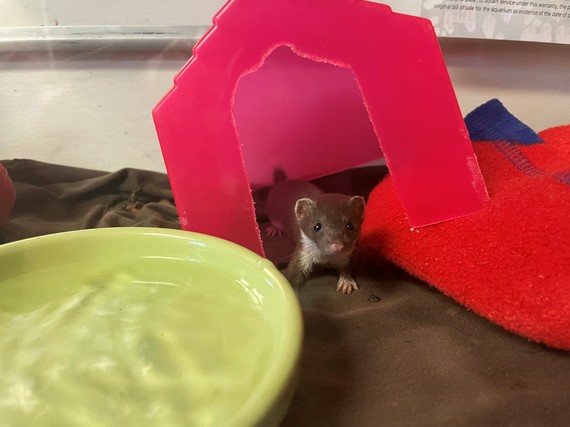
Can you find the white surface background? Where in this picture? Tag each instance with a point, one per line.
(93, 109)
(16, 13)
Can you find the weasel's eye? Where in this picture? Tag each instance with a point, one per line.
(350, 226)
(318, 227)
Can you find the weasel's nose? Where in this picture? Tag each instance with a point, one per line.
(336, 248)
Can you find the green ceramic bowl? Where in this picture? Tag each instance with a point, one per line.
(143, 327)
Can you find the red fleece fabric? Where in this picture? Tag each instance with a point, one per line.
(511, 262)
(7, 195)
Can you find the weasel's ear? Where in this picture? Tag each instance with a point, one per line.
(357, 203)
(303, 207)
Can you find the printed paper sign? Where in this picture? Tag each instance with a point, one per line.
(541, 20)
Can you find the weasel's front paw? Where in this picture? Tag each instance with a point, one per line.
(273, 231)
(346, 285)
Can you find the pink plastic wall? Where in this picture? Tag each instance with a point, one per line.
(397, 65)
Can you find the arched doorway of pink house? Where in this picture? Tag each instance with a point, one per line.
(303, 116)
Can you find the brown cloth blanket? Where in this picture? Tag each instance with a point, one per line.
(395, 353)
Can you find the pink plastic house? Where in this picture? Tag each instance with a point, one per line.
(313, 86)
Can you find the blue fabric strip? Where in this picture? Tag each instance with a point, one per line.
(493, 122)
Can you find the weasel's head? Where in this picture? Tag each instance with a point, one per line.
(331, 221)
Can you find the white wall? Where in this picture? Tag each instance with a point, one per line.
(93, 108)
(16, 13)
(85, 110)
(531, 79)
